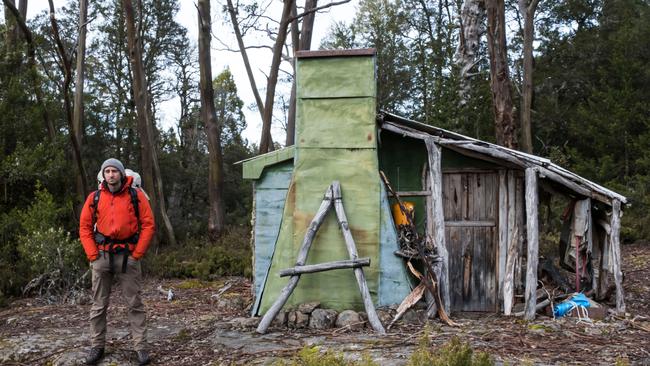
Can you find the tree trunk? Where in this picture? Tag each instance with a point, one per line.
(303, 43)
(505, 126)
(266, 143)
(66, 65)
(150, 169)
(78, 112)
(10, 24)
(212, 128)
(527, 9)
(471, 30)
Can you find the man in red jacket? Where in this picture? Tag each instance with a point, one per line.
(115, 228)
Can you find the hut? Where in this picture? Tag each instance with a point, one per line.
(477, 201)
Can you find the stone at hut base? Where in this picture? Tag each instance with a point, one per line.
(385, 316)
(350, 319)
(322, 318)
(411, 316)
(307, 308)
(298, 320)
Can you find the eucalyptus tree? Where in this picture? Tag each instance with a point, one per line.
(504, 120)
(149, 155)
(213, 125)
(75, 133)
(527, 9)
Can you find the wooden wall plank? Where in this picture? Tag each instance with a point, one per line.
(502, 248)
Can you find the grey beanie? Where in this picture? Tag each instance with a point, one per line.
(115, 164)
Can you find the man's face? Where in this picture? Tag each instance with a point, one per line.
(112, 176)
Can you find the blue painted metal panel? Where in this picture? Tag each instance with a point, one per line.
(394, 283)
(277, 176)
(270, 195)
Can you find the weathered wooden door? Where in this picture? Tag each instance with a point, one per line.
(470, 202)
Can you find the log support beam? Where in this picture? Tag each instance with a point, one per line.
(435, 170)
(532, 235)
(322, 267)
(616, 250)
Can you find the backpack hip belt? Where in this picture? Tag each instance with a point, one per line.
(105, 242)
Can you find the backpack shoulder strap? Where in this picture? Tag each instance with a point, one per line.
(135, 202)
(95, 205)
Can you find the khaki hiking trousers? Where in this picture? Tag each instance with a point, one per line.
(131, 284)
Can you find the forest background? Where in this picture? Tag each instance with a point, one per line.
(576, 72)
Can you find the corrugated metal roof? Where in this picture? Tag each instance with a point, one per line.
(546, 168)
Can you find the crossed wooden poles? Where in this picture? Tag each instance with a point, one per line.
(332, 198)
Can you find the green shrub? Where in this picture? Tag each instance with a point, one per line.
(13, 270)
(197, 258)
(454, 353)
(55, 260)
(313, 356)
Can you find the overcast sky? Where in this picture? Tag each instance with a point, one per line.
(260, 59)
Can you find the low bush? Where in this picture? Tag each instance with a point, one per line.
(314, 356)
(37, 254)
(453, 353)
(198, 258)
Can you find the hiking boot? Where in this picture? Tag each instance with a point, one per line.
(94, 355)
(143, 357)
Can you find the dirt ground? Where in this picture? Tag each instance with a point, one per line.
(204, 326)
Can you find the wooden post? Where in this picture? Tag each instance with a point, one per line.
(606, 257)
(518, 206)
(532, 234)
(435, 170)
(616, 249)
(592, 249)
(432, 309)
(302, 257)
(373, 319)
(503, 230)
(508, 282)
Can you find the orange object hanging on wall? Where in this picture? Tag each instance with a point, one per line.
(399, 217)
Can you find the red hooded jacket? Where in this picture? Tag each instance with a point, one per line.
(116, 219)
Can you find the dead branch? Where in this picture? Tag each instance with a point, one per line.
(430, 280)
(317, 9)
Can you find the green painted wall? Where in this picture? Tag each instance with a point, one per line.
(335, 140)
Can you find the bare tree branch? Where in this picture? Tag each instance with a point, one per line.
(242, 48)
(317, 9)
